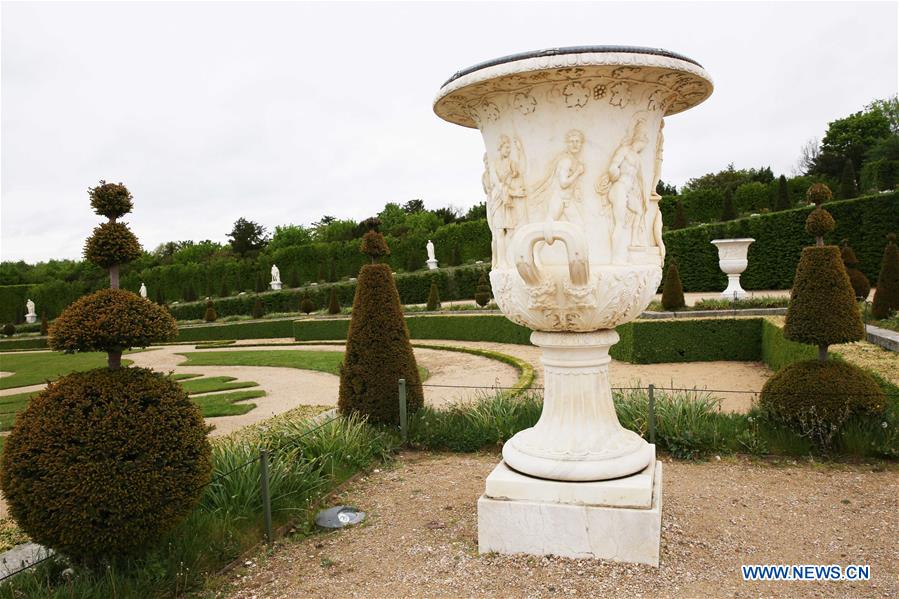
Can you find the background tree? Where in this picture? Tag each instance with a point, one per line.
(848, 187)
(673, 289)
(482, 291)
(680, 219)
(663, 189)
(260, 284)
(783, 194)
(886, 296)
(413, 206)
(293, 278)
(258, 308)
(333, 303)
(378, 352)
(224, 291)
(247, 237)
(849, 138)
(45, 329)
(728, 211)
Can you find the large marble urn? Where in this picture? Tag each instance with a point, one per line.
(573, 140)
(733, 258)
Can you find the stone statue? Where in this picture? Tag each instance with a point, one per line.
(276, 278)
(622, 188)
(430, 248)
(30, 315)
(564, 181)
(143, 291)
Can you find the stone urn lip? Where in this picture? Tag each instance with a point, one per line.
(738, 240)
(472, 83)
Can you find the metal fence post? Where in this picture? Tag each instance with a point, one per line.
(266, 496)
(652, 414)
(404, 431)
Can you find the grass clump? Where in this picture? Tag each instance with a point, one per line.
(215, 383)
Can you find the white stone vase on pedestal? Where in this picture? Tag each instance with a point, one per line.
(573, 155)
(733, 260)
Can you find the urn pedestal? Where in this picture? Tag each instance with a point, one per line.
(573, 156)
(733, 258)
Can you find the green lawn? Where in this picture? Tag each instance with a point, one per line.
(37, 368)
(322, 361)
(222, 404)
(215, 383)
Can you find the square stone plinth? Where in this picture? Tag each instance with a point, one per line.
(630, 491)
(540, 527)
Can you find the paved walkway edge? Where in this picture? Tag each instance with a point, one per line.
(885, 338)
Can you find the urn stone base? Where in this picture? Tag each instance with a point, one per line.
(31, 318)
(276, 285)
(618, 520)
(734, 290)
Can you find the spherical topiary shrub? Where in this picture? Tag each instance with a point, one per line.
(819, 193)
(111, 200)
(819, 223)
(673, 289)
(111, 320)
(816, 397)
(378, 352)
(9, 329)
(822, 308)
(111, 244)
(102, 463)
(307, 306)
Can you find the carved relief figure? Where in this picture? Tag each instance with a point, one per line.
(488, 185)
(563, 181)
(510, 194)
(622, 188)
(654, 216)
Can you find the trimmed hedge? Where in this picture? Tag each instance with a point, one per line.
(454, 283)
(478, 327)
(778, 351)
(653, 341)
(23, 343)
(779, 240)
(12, 302)
(251, 329)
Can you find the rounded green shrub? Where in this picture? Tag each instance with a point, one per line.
(482, 291)
(111, 244)
(860, 284)
(210, 314)
(111, 320)
(816, 397)
(673, 289)
(378, 352)
(112, 200)
(822, 308)
(9, 329)
(886, 296)
(374, 246)
(307, 306)
(102, 463)
(433, 297)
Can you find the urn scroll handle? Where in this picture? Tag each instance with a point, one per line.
(527, 236)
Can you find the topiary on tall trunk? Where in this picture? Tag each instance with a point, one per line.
(818, 396)
(886, 296)
(433, 297)
(378, 352)
(101, 464)
(860, 284)
(482, 291)
(673, 289)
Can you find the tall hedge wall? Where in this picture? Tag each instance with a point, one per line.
(779, 239)
(12, 303)
(453, 284)
(655, 341)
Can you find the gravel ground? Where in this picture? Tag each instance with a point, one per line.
(420, 539)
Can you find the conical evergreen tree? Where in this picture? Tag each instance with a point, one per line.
(848, 187)
(44, 327)
(224, 291)
(293, 279)
(332, 271)
(680, 219)
(378, 352)
(258, 308)
(783, 194)
(482, 291)
(860, 284)
(886, 296)
(673, 289)
(333, 304)
(728, 211)
(260, 284)
(433, 297)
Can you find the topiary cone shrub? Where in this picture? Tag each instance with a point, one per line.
(860, 284)
(210, 314)
(258, 309)
(102, 463)
(378, 352)
(673, 289)
(817, 398)
(482, 292)
(433, 297)
(307, 306)
(45, 329)
(333, 304)
(886, 296)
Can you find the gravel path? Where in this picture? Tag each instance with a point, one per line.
(421, 538)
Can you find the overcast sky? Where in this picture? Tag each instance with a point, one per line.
(283, 112)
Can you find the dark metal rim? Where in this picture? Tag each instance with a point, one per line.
(569, 50)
